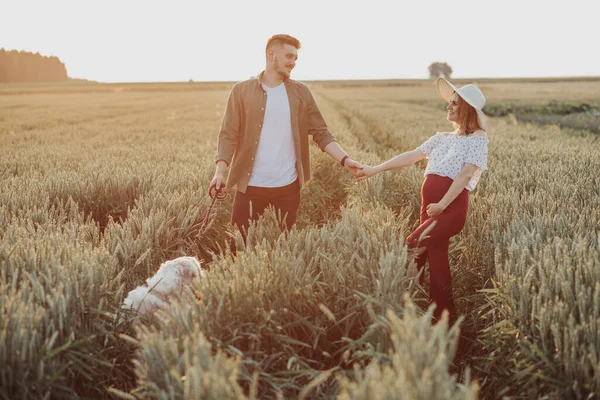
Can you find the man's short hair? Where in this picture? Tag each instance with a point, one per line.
(282, 39)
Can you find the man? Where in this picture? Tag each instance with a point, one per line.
(264, 138)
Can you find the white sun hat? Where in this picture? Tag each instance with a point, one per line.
(469, 93)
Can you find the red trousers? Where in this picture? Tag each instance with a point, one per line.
(436, 241)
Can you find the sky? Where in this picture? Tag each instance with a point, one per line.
(220, 40)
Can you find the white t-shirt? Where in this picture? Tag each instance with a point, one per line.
(448, 153)
(275, 163)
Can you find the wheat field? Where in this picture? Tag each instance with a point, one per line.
(100, 183)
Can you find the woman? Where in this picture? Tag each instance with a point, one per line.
(456, 161)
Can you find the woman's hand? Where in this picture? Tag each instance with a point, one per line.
(435, 209)
(365, 172)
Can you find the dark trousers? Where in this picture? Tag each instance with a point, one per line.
(436, 242)
(285, 200)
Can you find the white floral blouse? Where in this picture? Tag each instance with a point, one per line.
(448, 153)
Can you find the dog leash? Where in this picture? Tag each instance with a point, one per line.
(215, 195)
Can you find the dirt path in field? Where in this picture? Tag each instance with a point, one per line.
(370, 133)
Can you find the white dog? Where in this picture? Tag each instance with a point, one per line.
(169, 281)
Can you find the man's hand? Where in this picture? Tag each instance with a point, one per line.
(218, 181)
(435, 209)
(352, 166)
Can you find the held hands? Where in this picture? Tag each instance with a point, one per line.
(365, 172)
(352, 166)
(357, 169)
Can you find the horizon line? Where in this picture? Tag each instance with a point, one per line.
(483, 78)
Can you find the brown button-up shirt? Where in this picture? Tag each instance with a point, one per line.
(242, 125)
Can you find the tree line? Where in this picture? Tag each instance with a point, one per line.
(23, 66)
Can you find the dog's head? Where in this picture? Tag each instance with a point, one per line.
(173, 274)
(188, 268)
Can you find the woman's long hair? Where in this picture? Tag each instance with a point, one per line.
(466, 118)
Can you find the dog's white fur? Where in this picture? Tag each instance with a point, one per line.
(169, 281)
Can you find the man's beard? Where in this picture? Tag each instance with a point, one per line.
(282, 72)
